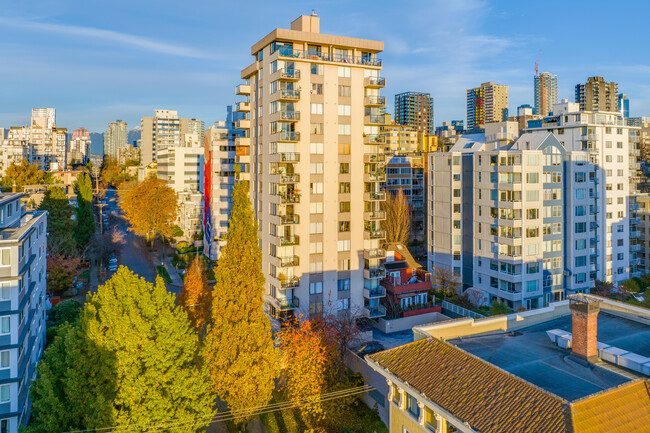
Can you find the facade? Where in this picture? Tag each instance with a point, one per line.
(643, 201)
(623, 105)
(192, 130)
(315, 158)
(12, 154)
(597, 95)
(45, 145)
(556, 370)
(79, 147)
(415, 109)
(44, 117)
(22, 301)
(128, 153)
(190, 214)
(486, 104)
(158, 132)
(406, 172)
(545, 93)
(115, 138)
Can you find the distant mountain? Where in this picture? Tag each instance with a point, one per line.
(134, 135)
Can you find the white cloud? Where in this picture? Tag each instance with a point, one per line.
(140, 42)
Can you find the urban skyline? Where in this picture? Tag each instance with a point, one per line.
(122, 62)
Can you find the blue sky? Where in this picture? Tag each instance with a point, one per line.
(98, 61)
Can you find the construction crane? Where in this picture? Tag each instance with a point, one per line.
(537, 62)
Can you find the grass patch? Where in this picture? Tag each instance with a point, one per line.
(163, 273)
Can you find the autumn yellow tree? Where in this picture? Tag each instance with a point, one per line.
(196, 297)
(445, 281)
(305, 358)
(398, 218)
(151, 208)
(238, 353)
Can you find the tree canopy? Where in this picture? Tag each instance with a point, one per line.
(24, 174)
(60, 225)
(398, 218)
(238, 352)
(196, 297)
(85, 218)
(150, 207)
(130, 359)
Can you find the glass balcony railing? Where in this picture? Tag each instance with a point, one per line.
(293, 74)
(315, 55)
(289, 219)
(290, 115)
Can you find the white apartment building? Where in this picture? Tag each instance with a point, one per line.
(158, 132)
(536, 220)
(22, 306)
(79, 147)
(315, 115)
(11, 154)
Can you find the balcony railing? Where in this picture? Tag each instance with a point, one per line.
(292, 95)
(374, 215)
(374, 138)
(377, 292)
(289, 304)
(286, 136)
(375, 120)
(290, 178)
(243, 89)
(374, 196)
(289, 156)
(378, 311)
(374, 272)
(375, 234)
(290, 115)
(290, 74)
(375, 253)
(289, 197)
(243, 106)
(289, 219)
(299, 54)
(370, 158)
(286, 241)
(374, 82)
(289, 283)
(374, 177)
(289, 261)
(370, 101)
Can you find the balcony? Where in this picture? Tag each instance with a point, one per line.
(286, 136)
(289, 197)
(374, 177)
(289, 156)
(374, 234)
(291, 116)
(290, 178)
(243, 89)
(289, 261)
(589, 137)
(374, 101)
(371, 158)
(377, 292)
(311, 55)
(243, 124)
(374, 272)
(374, 120)
(289, 219)
(288, 95)
(243, 106)
(242, 141)
(374, 215)
(289, 74)
(288, 283)
(375, 312)
(374, 196)
(289, 304)
(287, 241)
(374, 82)
(635, 247)
(375, 253)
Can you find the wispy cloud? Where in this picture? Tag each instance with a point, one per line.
(146, 44)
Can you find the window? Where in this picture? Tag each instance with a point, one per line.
(316, 148)
(4, 426)
(5, 393)
(344, 245)
(5, 325)
(4, 358)
(344, 226)
(316, 248)
(344, 206)
(532, 177)
(532, 159)
(581, 244)
(316, 267)
(581, 228)
(344, 168)
(316, 69)
(344, 71)
(344, 265)
(532, 286)
(532, 268)
(5, 292)
(412, 405)
(316, 288)
(316, 168)
(343, 285)
(343, 304)
(5, 259)
(316, 89)
(344, 91)
(317, 128)
(316, 108)
(344, 110)
(316, 207)
(316, 228)
(344, 129)
(581, 260)
(316, 187)
(344, 188)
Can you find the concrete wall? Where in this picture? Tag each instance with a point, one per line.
(404, 323)
(374, 379)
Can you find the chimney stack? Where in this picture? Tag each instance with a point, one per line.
(584, 323)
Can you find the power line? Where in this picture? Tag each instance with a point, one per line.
(232, 414)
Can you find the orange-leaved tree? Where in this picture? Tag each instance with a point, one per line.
(398, 218)
(151, 208)
(238, 353)
(196, 297)
(305, 360)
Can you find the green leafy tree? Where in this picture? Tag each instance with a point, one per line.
(499, 308)
(238, 352)
(64, 312)
(24, 174)
(60, 225)
(85, 219)
(129, 360)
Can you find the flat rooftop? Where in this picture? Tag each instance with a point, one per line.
(531, 355)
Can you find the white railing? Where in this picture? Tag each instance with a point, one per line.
(462, 311)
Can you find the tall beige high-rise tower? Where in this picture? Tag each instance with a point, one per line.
(487, 104)
(314, 165)
(597, 95)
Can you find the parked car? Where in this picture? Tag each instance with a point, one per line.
(368, 348)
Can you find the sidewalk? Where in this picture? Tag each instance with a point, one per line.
(156, 258)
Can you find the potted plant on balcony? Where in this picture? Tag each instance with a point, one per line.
(283, 278)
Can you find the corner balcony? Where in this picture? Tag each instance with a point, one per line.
(290, 178)
(374, 234)
(374, 82)
(289, 283)
(243, 107)
(374, 101)
(288, 74)
(377, 292)
(286, 156)
(374, 196)
(374, 120)
(287, 95)
(375, 253)
(291, 116)
(375, 312)
(285, 136)
(289, 261)
(371, 158)
(377, 215)
(374, 177)
(243, 89)
(374, 272)
(292, 219)
(287, 241)
(289, 197)
(243, 124)
(374, 138)
(242, 141)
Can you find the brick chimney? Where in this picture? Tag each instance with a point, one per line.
(584, 322)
